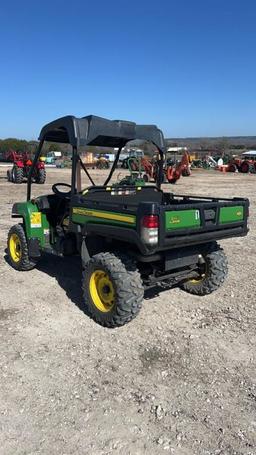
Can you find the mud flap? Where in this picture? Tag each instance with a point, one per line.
(34, 248)
(84, 254)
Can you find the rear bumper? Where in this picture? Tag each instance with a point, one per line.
(202, 237)
(146, 254)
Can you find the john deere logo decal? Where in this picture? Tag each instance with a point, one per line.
(174, 220)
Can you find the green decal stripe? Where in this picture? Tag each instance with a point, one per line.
(231, 214)
(82, 214)
(182, 219)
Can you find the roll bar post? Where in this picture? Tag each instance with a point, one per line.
(160, 167)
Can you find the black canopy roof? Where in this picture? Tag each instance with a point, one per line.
(93, 130)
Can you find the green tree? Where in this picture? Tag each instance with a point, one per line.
(54, 148)
(14, 144)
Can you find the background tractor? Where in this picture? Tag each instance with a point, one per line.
(243, 164)
(102, 163)
(173, 168)
(22, 164)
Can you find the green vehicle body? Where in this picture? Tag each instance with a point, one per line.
(188, 220)
(35, 222)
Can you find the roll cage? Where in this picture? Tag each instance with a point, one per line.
(96, 131)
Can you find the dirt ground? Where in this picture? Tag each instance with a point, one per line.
(179, 379)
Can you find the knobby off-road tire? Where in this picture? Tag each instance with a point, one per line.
(18, 175)
(17, 248)
(41, 176)
(216, 269)
(232, 168)
(186, 173)
(117, 274)
(10, 175)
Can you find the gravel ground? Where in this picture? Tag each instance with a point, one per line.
(179, 379)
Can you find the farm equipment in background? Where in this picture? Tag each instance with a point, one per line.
(102, 163)
(172, 169)
(150, 168)
(175, 169)
(138, 154)
(21, 166)
(137, 175)
(144, 167)
(244, 165)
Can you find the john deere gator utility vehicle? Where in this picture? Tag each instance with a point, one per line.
(129, 237)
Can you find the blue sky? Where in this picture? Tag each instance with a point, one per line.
(188, 66)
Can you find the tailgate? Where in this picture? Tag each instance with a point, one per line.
(200, 221)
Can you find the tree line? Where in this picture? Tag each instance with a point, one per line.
(218, 144)
(21, 145)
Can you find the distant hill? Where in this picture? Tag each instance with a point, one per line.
(221, 143)
(236, 144)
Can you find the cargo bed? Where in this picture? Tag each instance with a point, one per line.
(183, 220)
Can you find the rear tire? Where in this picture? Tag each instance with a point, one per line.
(41, 176)
(186, 172)
(112, 289)
(245, 167)
(18, 175)
(216, 269)
(17, 248)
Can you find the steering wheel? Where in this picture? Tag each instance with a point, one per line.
(62, 194)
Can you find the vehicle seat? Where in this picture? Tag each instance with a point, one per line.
(54, 207)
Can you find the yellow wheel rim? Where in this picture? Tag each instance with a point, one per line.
(15, 247)
(102, 291)
(202, 276)
(197, 280)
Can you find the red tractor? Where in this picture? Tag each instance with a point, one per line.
(21, 166)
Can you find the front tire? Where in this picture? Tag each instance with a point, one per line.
(214, 273)
(41, 176)
(17, 248)
(10, 175)
(112, 289)
(232, 168)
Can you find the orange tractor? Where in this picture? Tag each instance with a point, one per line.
(172, 170)
(244, 165)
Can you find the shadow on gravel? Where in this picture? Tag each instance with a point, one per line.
(156, 291)
(68, 273)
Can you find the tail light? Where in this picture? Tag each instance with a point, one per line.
(149, 229)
